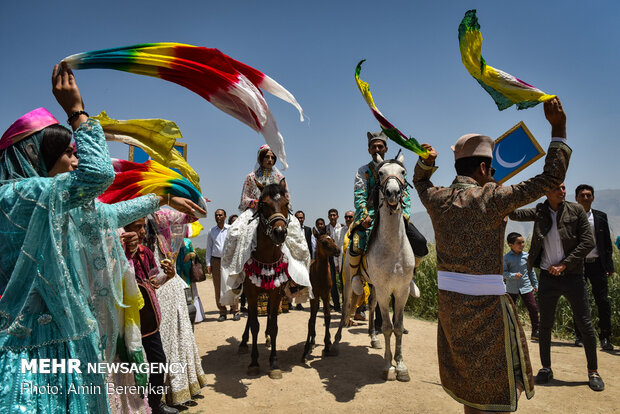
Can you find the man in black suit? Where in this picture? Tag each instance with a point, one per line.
(598, 264)
(301, 216)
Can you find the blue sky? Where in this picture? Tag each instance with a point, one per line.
(567, 48)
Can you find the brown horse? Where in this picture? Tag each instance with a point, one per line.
(321, 280)
(267, 262)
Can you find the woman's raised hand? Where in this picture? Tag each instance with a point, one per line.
(67, 94)
(183, 205)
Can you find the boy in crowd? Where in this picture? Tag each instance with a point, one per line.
(519, 280)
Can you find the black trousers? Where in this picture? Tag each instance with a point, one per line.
(573, 288)
(416, 240)
(598, 279)
(154, 353)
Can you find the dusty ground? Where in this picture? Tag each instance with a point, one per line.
(352, 381)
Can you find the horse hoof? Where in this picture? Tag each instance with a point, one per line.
(403, 376)
(254, 370)
(389, 374)
(268, 342)
(243, 350)
(275, 374)
(331, 352)
(376, 344)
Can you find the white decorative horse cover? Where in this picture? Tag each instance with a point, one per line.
(241, 241)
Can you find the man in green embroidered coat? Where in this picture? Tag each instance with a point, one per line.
(364, 195)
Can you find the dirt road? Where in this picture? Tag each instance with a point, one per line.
(352, 381)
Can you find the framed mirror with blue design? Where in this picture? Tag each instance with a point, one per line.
(514, 151)
(138, 155)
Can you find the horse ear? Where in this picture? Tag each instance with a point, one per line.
(401, 158)
(379, 158)
(315, 233)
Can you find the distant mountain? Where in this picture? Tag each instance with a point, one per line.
(607, 201)
(201, 241)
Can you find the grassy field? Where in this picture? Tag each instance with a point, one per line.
(426, 306)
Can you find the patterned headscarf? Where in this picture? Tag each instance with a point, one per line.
(26, 149)
(27, 124)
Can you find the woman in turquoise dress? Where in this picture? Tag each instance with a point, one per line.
(61, 261)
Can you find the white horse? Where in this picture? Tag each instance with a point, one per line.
(390, 268)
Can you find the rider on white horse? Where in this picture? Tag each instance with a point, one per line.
(365, 181)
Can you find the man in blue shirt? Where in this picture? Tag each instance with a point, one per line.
(519, 280)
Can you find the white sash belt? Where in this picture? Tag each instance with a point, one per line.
(473, 285)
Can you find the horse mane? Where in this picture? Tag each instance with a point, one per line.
(390, 161)
(272, 190)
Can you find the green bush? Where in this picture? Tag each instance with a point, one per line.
(425, 307)
(426, 278)
(202, 254)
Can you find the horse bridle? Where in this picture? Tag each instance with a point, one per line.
(269, 222)
(402, 184)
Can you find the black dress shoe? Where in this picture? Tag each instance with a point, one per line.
(579, 342)
(164, 409)
(544, 376)
(595, 381)
(606, 345)
(299, 307)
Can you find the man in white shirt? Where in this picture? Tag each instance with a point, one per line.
(333, 228)
(341, 232)
(301, 217)
(319, 225)
(215, 245)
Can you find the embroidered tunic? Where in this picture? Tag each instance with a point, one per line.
(480, 342)
(254, 184)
